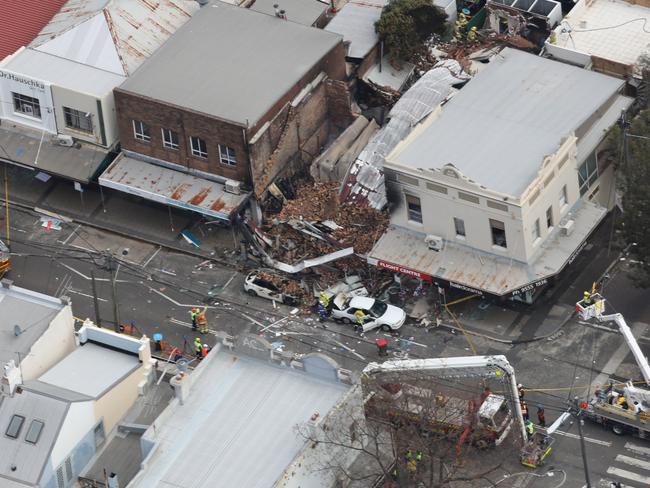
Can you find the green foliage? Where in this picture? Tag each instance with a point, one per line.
(404, 25)
(634, 182)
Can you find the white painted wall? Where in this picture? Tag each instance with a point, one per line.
(78, 421)
(62, 97)
(11, 82)
(56, 342)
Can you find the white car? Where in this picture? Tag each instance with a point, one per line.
(378, 314)
(256, 286)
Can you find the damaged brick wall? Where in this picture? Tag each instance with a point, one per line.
(295, 136)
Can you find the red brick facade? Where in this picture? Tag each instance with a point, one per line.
(187, 123)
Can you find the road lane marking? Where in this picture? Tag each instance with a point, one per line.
(228, 282)
(641, 450)
(350, 350)
(603, 483)
(70, 290)
(79, 273)
(587, 439)
(629, 475)
(74, 231)
(638, 463)
(151, 257)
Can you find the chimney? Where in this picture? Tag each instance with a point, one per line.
(283, 14)
(276, 7)
(11, 379)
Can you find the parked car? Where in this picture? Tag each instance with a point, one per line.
(378, 313)
(254, 285)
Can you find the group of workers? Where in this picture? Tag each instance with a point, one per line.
(541, 417)
(460, 29)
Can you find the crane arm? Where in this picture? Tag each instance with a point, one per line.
(641, 360)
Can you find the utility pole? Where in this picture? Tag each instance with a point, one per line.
(578, 416)
(98, 319)
(116, 311)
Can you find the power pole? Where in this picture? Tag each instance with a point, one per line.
(116, 310)
(578, 416)
(98, 319)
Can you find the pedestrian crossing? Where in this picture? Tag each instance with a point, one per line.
(631, 469)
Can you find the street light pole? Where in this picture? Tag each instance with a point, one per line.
(116, 310)
(578, 417)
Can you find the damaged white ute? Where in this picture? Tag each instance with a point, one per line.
(378, 314)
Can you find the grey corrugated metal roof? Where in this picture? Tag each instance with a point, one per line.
(503, 123)
(236, 429)
(115, 35)
(356, 23)
(90, 370)
(231, 63)
(32, 311)
(305, 12)
(29, 459)
(63, 72)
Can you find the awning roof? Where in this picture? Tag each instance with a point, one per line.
(171, 187)
(26, 147)
(403, 250)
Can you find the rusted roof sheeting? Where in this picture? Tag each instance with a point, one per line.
(21, 21)
(171, 187)
(129, 30)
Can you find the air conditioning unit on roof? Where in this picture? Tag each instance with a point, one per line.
(435, 243)
(63, 140)
(232, 186)
(567, 227)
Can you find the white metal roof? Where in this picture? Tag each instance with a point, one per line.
(305, 12)
(114, 35)
(356, 23)
(231, 63)
(236, 429)
(615, 30)
(59, 71)
(29, 459)
(500, 126)
(29, 310)
(90, 370)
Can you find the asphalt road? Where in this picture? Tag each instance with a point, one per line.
(156, 289)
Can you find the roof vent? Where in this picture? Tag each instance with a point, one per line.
(17, 330)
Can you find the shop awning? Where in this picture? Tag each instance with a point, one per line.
(32, 149)
(171, 187)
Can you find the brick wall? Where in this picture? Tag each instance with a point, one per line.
(185, 123)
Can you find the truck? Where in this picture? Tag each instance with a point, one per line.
(623, 407)
(392, 395)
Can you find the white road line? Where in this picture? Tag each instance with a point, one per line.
(629, 475)
(638, 463)
(70, 290)
(151, 257)
(587, 439)
(79, 273)
(641, 450)
(603, 483)
(178, 304)
(188, 325)
(228, 282)
(350, 350)
(81, 247)
(74, 231)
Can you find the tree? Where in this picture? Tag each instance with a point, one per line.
(403, 450)
(634, 181)
(405, 25)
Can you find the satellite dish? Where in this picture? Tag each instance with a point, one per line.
(17, 330)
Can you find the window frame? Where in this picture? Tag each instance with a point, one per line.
(498, 226)
(413, 214)
(459, 224)
(20, 100)
(38, 435)
(169, 143)
(226, 157)
(69, 116)
(537, 231)
(21, 420)
(144, 135)
(564, 197)
(198, 152)
(588, 173)
(550, 220)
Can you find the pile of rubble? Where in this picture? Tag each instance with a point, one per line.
(356, 225)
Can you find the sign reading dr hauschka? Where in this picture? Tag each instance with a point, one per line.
(23, 80)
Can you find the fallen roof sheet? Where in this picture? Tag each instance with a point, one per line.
(511, 116)
(114, 35)
(22, 20)
(356, 23)
(171, 187)
(365, 179)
